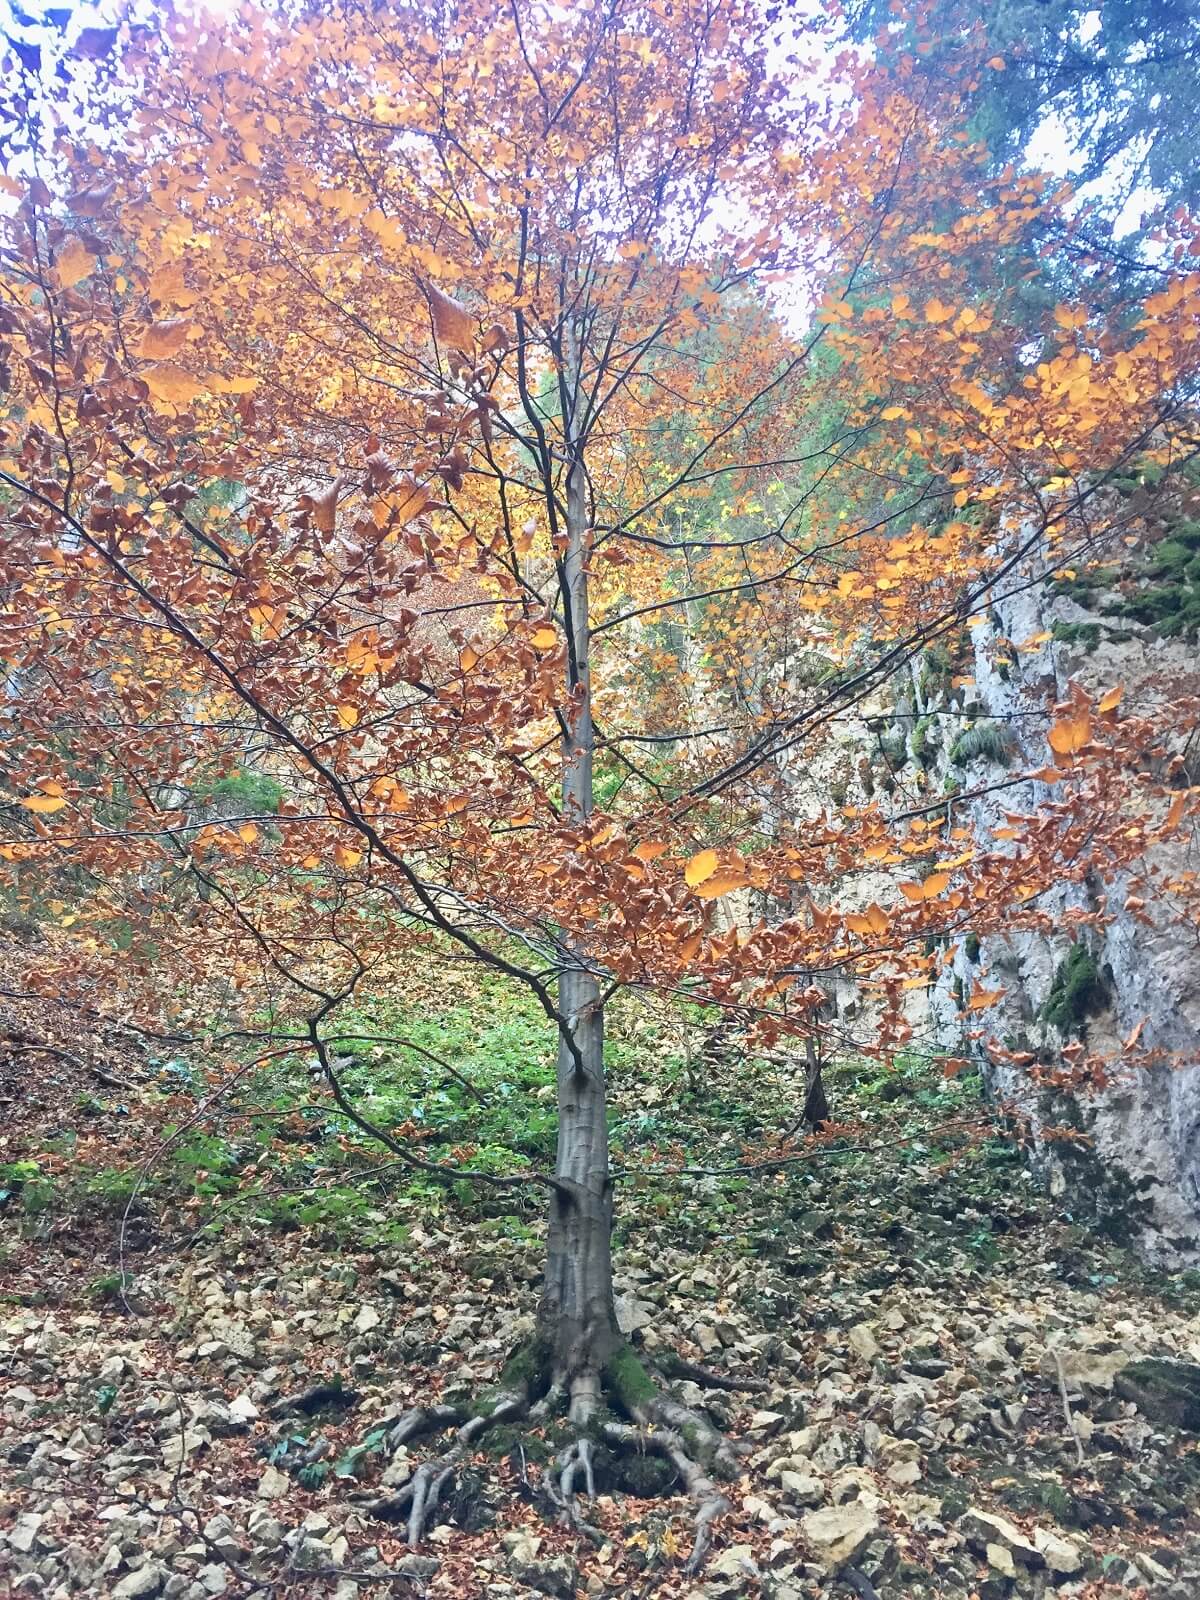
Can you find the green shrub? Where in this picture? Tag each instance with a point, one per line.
(25, 1180)
(110, 1190)
(989, 740)
(252, 792)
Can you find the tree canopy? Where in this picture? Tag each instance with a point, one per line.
(423, 504)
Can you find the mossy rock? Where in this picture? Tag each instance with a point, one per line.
(648, 1477)
(954, 1505)
(1077, 992)
(1164, 1391)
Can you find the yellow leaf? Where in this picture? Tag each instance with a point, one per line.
(44, 804)
(544, 638)
(890, 413)
(451, 322)
(172, 383)
(311, 862)
(700, 867)
(164, 338)
(237, 385)
(468, 659)
(247, 833)
(1112, 699)
(408, 500)
(721, 883)
(346, 857)
(347, 715)
(935, 311)
(75, 262)
(996, 63)
(929, 890)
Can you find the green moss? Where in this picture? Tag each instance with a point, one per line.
(1077, 992)
(954, 1504)
(1086, 634)
(988, 740)
(525, 1368)
(923, 740)
(628, 1381)
(937, 667)
(504, 1440)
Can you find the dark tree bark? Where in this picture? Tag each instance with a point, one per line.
(578, 1331)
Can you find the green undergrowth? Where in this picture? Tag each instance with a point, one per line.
(917, 1182)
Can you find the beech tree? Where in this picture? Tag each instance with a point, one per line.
(381, 381)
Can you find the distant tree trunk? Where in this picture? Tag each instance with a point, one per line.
(816, 1105)
(576, 1319)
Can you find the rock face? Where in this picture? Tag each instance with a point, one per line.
(1110, 959)
(1133, 967)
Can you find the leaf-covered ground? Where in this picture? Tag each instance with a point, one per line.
(952, 1388)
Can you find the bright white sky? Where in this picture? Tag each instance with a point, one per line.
(1050, 149)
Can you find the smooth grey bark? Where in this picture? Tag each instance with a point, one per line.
(577, 1320)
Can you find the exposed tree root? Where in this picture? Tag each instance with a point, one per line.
(420, 1495)
(677, 1367)
(665, 1441)
(657, 1424)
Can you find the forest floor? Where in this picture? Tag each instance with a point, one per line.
(963, 1391)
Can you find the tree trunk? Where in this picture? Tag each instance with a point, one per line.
(577, 1321)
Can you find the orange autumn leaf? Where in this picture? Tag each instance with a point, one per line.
(700, 867)
(75, 263)
(164, 338)
(650, 849)
(982, 998)
(929, 890)
(1068, 736)
(172, 383)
